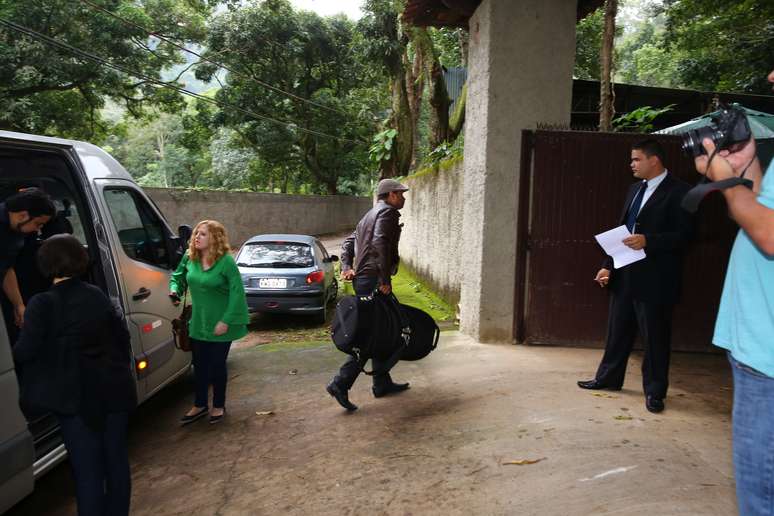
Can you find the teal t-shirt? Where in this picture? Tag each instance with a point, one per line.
(745, 323)
(217, 294)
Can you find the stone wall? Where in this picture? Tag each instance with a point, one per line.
(431, 241)
(246, 214)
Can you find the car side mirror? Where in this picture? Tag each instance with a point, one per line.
(184, 232)
(333, 258)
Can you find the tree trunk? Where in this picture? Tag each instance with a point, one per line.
(439, 97)
(415, 86)
(606, 97)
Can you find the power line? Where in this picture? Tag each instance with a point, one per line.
(140, 75)
(208, 60)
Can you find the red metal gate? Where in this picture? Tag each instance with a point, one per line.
(573, 187)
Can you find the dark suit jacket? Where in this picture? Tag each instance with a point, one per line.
(74, 354)
(667, 229)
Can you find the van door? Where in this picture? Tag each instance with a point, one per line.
(141, 240)
(16, 448)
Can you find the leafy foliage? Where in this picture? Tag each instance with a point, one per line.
(48, 91)
(722, 45)
(640, 120)
(312, 58)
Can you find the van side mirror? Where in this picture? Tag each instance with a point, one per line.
(184, 232)
(332, 258)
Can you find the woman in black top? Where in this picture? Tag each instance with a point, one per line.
(74, 358)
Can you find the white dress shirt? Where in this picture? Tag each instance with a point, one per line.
(652, 185)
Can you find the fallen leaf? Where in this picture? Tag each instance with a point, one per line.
(623, 418)
(293, 371)
(265, 413)
(522, 462)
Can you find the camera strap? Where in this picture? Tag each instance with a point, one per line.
(696, 194)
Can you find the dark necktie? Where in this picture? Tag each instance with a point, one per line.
(634, 209)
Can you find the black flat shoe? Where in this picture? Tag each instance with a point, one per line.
(217, 419)
(596, 385)
(187, 420)
(654, 404)
(340, 396)
(392, 388)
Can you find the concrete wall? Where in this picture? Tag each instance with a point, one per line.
(520, 62)
(431, 244)
(247, 214)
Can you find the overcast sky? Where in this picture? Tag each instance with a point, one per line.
(329, 7)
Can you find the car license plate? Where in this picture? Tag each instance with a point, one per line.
(272, 283)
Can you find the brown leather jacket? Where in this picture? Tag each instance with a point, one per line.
(374, 244)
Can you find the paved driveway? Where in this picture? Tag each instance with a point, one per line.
(440, 448)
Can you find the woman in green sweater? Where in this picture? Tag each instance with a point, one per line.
(219, 313)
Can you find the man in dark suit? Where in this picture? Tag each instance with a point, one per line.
(644, 293)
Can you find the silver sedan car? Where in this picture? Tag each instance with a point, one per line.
(289, 274)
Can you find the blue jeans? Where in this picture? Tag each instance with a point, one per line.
(753, 430)
(209, 361)
(100, 464)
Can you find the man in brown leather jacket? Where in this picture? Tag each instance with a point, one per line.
(373, 248)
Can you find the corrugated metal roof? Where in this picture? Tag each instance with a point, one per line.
(455, 79)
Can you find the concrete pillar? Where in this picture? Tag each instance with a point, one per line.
(520, 63)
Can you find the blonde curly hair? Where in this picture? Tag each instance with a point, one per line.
(218, 241)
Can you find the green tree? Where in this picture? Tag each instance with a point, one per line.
(310, 57)
(50, 91)
(588, 42)
(722, 45)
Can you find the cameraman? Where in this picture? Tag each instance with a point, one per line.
(745, 321)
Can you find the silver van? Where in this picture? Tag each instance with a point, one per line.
(133, 252)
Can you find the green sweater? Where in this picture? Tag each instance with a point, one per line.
(217, 294)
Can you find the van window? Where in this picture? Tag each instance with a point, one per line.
(140, 230)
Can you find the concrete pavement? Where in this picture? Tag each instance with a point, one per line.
(442, 446)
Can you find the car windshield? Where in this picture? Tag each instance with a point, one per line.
(276, 255)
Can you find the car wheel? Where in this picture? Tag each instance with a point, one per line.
(322, 317)
(334, 292)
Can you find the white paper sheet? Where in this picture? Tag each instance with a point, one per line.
(612, 242)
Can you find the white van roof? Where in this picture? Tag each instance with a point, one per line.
(97, 163)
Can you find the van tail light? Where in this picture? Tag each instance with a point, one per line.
(315, 277)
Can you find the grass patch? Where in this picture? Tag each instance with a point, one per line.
(410, 291)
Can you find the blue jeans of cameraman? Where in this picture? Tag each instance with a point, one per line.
(352, 367)
(753, 436)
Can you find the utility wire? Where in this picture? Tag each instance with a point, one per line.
(81, 53)
(249, 77)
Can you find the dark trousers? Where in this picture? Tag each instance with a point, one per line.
(100, 464)
(209, 361)
(352, 367)
(653, 321)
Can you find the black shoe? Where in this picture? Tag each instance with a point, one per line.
(654, 404)
(187, 420)
(341, 396)
(596, 385)
(390, 388)
(217, 419)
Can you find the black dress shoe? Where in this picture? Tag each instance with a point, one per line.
(187, 420)
(217, 419)
(341, 396)
(654, 404)
(596, 385)
(391, 388)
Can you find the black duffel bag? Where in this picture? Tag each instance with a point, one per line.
(378, 326)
